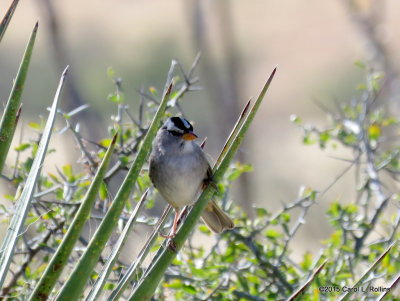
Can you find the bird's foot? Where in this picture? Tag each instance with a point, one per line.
(209, 182)
(168, 236)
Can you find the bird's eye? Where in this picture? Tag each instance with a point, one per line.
(175, 133)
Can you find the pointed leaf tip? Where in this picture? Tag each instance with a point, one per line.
(36, 26)
(114, 139)
(169, 89)
(203, 143)
(65, 71)
(272, 74)
(270, 78)
(245, 109)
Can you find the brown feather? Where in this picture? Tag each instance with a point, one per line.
(216, 219)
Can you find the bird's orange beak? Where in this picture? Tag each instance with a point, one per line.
(189, 136)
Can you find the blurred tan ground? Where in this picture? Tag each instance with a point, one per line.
(313, 43)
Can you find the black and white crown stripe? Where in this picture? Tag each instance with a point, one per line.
(178, 124)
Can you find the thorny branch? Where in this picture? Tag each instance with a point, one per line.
(48, 197)
(32, 252)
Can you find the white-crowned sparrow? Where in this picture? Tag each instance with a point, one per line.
(179, 169)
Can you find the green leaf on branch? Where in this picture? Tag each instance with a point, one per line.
(12, 110)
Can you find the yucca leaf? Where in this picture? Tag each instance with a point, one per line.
(9, 118)
(95, 292)
(233, 133)
(300, 291)
(133, 268)
(61, 256)
(360, 281)
(149, 282)
(75, 284)
(390, 288)
(7, 18)
(24, 201)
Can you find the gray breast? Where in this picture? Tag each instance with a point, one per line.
(179, 177)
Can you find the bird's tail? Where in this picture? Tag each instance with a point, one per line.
(216, 219)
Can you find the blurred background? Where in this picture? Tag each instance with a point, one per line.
(314, 44)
